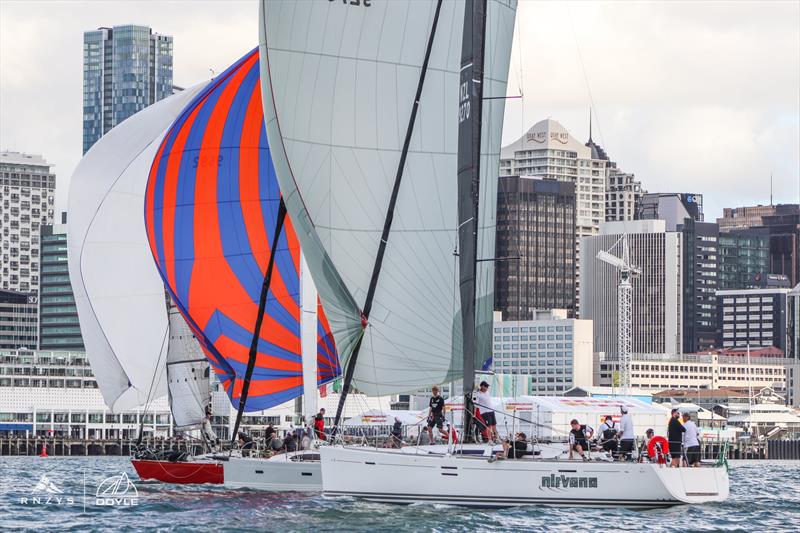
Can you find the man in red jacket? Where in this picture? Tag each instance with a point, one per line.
(319, 425)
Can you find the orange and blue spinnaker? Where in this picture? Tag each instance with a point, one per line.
(211, 207)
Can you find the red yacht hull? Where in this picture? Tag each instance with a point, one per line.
(189, 472)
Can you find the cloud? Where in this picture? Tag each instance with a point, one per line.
(691, 96)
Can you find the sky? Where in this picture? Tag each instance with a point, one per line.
(699, 97)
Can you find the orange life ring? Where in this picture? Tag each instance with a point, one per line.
(657, 449)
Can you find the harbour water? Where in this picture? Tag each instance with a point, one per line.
(764, 495)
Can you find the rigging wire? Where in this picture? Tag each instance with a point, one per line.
(585, 75)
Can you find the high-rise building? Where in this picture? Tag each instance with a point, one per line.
(556, 349)
(536, 242)
(125, 69)
(548, 151)
(58, 317)
(743, 256)
(18, 328)
(754, 317)
(780, 224)
(683, 212)
(26, 203)
(623, 192)
(747, 217)
(793, 320)
(622, 189)
(657, 293)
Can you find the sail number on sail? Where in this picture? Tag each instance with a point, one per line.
(463, 102)
(365, 3)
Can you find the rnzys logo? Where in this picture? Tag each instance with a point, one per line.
(45, 492)
(117, 490)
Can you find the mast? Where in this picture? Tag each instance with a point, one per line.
(470, 112)
(262, 303)
(387, 224)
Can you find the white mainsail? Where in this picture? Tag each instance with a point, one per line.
(118, 291)
(339, 82)
(188, 374)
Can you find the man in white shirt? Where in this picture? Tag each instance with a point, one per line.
(626, 435)
(485, 403)
(691, 441)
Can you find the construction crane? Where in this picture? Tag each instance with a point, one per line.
(624, 314)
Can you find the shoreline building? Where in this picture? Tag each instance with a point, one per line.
(660, 372)
(780, 224)
(535, 244)
(556, 351)
(125, 69)
(548, 151)
(754, 317)
(27, 196)
(59, 328)
(683, 213)
(657, 295)
(18, 324)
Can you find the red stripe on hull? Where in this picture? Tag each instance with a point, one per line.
(186, 473)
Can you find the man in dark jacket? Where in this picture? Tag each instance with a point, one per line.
(675, 436)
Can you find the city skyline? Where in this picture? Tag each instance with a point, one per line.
(660, 109)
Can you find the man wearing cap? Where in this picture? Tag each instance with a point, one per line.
(626, 435)
(484, 402)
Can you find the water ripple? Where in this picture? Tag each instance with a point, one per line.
(764, 496)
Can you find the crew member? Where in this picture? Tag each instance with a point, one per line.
(643, 449)
(608, 435)
(319, 425)
(396, 434)
(691, 441)
(436, 414)
(675, 432)
(626, 436)
(207, 431)
(485, 403)
(513, 450)
(579, 438)
(246, 443)
(269, 434)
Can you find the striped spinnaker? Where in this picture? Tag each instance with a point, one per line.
(210, 212)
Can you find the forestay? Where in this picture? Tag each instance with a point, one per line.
(118, 292)
(339, 84)
(211, 210)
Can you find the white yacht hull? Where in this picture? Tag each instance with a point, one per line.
(382, 476)
(279, 473)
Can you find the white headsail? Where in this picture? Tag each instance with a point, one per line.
(188, 374)
(118, 291)
(339, 82)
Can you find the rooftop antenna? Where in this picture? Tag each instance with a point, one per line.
(590, 124)
(770, 188)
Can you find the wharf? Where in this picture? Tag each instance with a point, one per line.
(58, 446)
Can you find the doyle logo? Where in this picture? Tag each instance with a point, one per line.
(46, 493)
(563, 482)
(117, 490)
